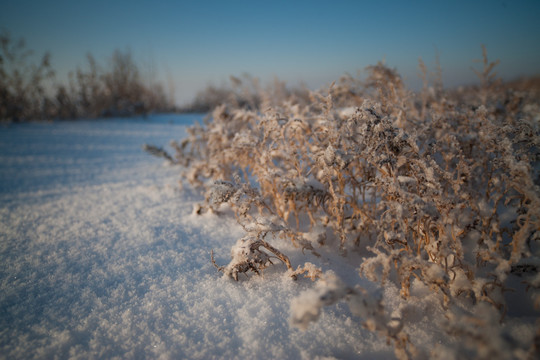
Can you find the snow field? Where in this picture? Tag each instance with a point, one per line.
(101, 256)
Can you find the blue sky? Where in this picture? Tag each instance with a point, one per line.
(196, 43)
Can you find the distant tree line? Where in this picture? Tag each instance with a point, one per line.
(246, 92)
(28, 91)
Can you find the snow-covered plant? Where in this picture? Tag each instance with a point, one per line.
(253, 253)
(248, 256)
(307, 307)
(439, 188)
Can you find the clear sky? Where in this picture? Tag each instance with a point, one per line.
(199, 42)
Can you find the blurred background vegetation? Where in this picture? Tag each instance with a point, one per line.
(116, 87)
(29, 90)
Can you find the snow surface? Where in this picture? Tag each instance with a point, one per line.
(101, 256)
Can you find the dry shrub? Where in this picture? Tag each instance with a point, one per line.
(440, 187)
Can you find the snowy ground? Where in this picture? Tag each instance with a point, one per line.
(101, 256)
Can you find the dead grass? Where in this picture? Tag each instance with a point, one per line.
(439, 186)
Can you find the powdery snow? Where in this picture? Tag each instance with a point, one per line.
(102, 256)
